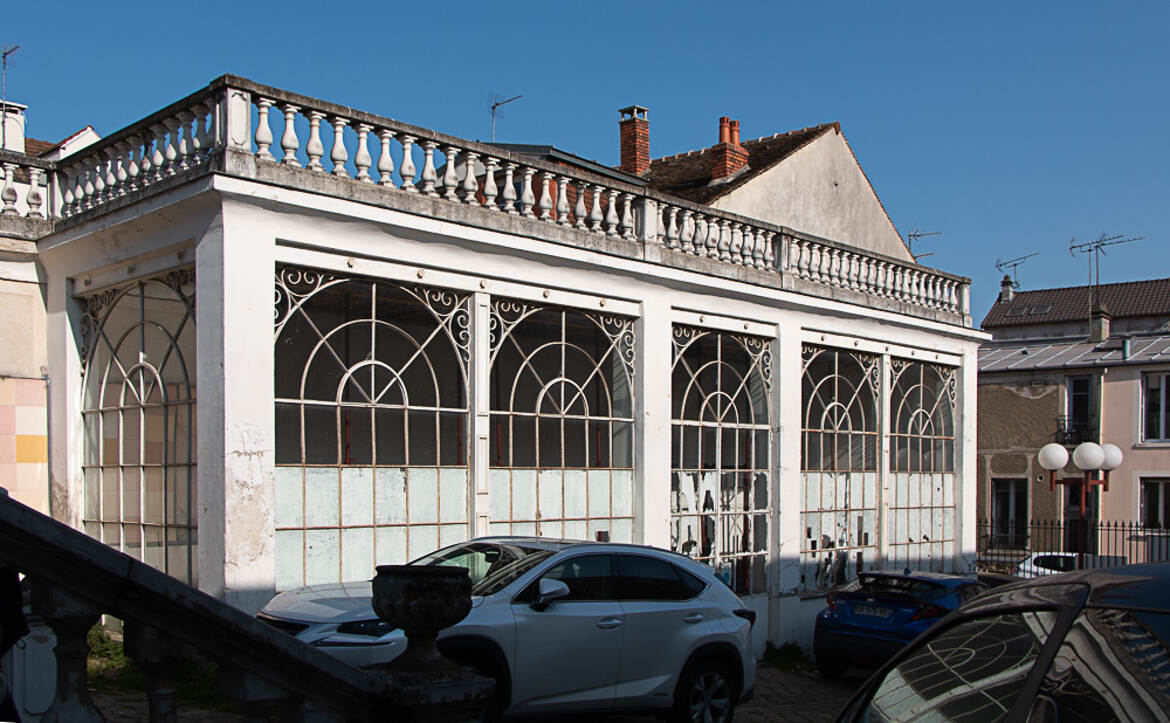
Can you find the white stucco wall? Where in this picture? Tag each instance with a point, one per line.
(237, 230)
(820, 190)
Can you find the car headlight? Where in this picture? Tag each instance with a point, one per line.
(372, 628)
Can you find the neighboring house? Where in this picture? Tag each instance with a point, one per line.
(289, 340)
(23, 357)
(1052, 374)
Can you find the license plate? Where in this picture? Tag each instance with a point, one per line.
(873, 611)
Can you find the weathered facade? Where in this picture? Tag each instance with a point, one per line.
(471, 340)
(1053, 374)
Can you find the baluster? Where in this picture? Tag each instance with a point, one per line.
(263, 131)
(170, 142)
(798, 250)
(660, 221)
(769, 254)
(611, 214)
(881, 283)
(854, 271)
(99, 182)
(288, 140)
(865, 276)
(508, 198)
(73, 191)
(903, 282)
(470, 185)
(952, 296)
(714, 234)
(361, 156)
(406, 170)
(157, 155)
(735, 246)
(489, 184)
(450, 175)
(595, 217)
(385, 160)
(9, 193)
(826, 265)
(699, 239)
(184, 146)
(672, 235)
(686, 233)
(203, 140)
(71, 620)
(546, 202)
(135, 171)
(89, 188)
(627, 216)
(164, 659)
(527, 197)
(116, 155)
(65, 178)
(111, 164)
(814, 261)
(563, 200)
(314, 149)
(579, 211)
(428, 174)
(338, 154)
(753, 247)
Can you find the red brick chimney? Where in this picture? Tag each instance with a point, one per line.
(730, 156)
(634, 130)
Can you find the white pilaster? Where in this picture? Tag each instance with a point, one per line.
(966, 402)
(479, 373)
(652, 463)
(66, 434)
(234, 281)
(787, 492)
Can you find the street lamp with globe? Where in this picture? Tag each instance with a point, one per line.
(1089, 457)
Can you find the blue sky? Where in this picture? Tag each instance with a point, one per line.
(1009, 127)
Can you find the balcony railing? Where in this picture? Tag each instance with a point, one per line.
(227, 127)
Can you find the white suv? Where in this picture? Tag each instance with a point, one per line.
(564, 626)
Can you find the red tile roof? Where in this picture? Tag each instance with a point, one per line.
(688, 175)
(1071, 303)
(34, 147)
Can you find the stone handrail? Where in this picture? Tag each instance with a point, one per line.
(75, 578)
(315, 136)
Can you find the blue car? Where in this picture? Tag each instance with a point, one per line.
(869, 620)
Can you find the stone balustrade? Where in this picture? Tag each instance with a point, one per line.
(235, 116)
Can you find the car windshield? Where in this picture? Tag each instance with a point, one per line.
(480, 558)
(899, 587)
(500, 578)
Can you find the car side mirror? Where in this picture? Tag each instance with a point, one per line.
(549, 590)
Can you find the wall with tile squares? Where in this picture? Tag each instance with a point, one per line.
(24, 451)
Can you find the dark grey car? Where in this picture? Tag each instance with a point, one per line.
(1092, 645)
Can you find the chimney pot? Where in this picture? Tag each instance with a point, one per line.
(735, 133)
(1007, 290)
(724, 129)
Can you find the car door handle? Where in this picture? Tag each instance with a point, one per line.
(693, 618)
(609, 623)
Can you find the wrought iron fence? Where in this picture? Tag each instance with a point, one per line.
(1004, 545)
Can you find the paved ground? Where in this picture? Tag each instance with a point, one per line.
(781, 697)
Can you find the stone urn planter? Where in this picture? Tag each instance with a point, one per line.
(422, 600)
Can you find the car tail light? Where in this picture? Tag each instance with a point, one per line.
(929, 611)
(749, 615)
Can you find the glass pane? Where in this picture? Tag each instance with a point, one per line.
(970, 671)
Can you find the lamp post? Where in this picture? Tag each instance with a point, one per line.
(1089, 457)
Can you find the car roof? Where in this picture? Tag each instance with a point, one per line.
(557, 545)
(924, 576)
(1125, 586)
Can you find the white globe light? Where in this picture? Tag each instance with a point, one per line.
(1113, 457)
(1088, 456)
(1053, 456)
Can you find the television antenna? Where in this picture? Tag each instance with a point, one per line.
(495, 102)
(1014, 265)
(4, 53)
(1094, 249)
(917, 235)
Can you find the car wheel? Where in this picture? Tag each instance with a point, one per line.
(831, 666)
(706, 694)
